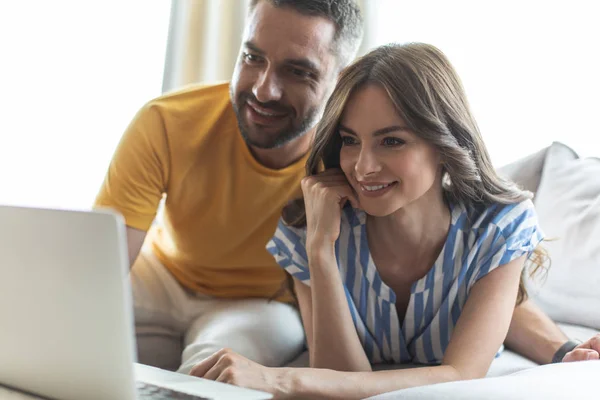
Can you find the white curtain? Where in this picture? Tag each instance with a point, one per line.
(204, 40)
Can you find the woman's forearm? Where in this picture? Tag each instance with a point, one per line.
(335, 343)
(310, 383)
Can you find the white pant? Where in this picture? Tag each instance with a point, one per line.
(176, 328)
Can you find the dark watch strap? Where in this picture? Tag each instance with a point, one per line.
(564, 349)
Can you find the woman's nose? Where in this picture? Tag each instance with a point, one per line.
(367, 164)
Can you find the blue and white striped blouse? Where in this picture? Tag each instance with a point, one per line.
(478, 241)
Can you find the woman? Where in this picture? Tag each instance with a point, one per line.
(407, 248)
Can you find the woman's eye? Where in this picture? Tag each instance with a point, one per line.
(392, 141)
(348, 140)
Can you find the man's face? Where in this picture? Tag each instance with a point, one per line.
(284, 74)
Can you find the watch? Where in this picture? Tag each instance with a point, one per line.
(568, 346)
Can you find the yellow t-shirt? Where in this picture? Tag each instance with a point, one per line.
(221, 205)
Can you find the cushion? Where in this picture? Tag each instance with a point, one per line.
(526, 172)
(568, 205)
(510, 362)
(576, 380)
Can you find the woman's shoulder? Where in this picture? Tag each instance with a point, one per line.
(500, 216)
(292, 236)
(288, 243)
(288, 247)
(290, 233)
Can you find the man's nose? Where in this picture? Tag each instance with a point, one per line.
(267, 87)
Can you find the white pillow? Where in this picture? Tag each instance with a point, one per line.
(527, 171)
(568, 205)
(577, 380)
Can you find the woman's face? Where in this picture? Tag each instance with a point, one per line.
(386, 164)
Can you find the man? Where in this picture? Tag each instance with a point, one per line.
(226, 164)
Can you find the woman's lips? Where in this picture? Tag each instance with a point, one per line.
(375, 189)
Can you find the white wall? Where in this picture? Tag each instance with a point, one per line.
(531, 68)
(72, 75)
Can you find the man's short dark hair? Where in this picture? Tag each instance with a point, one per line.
(345, 14)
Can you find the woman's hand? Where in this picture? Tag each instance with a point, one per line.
(324, 196)
(229, 367)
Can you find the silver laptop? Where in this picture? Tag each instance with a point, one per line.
(66, 318)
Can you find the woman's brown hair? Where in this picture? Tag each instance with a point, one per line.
(428, 95)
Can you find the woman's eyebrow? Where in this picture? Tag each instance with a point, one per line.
(378, 132)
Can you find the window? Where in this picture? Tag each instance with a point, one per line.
(73, 75)
(531, 69)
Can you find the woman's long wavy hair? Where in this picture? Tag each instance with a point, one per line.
(428, 95)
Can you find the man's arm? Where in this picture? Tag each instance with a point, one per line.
(534, 335)
(137, 177)
(135, 239)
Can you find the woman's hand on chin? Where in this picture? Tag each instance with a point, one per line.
(325, 195)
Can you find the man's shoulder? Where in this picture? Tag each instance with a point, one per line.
(198, 109)
(215, 89)
(194, 99)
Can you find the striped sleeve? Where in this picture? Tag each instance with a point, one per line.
(288, 247)
(512, 233)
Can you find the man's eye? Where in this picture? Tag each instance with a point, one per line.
(348, 140)
(392, 141)
(300, 73)
(251, 58)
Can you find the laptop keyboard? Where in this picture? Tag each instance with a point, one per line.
(147, 391)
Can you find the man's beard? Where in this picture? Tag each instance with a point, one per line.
(279, 139)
